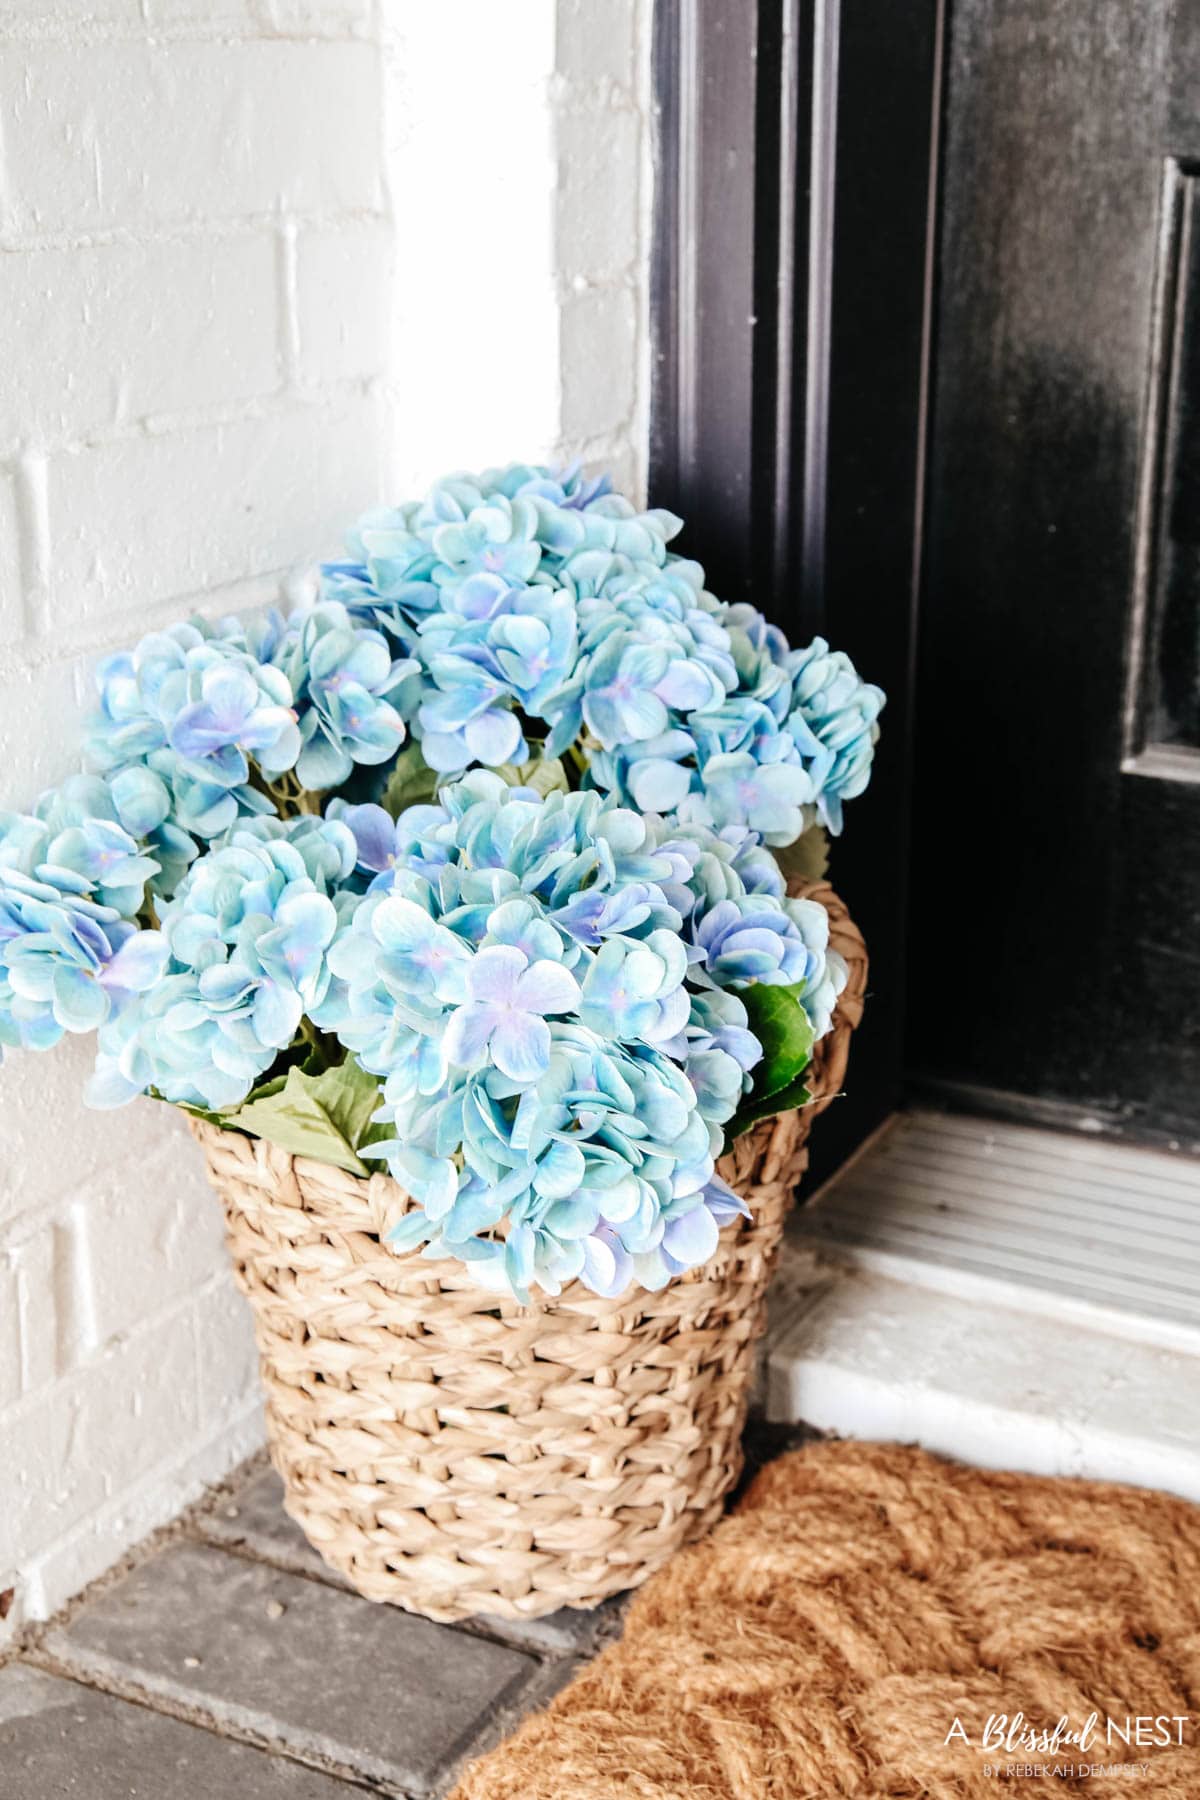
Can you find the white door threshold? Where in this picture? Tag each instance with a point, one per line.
(1016, 1298)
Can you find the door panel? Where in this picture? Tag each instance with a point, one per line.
(1055, 926)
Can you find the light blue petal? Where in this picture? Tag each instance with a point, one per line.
(520, 1046)
(277, 1014)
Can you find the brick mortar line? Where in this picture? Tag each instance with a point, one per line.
(40, 655)
(49, 32)
(139, 1328)
(221, 228)
(288, 400)
(161, 1157)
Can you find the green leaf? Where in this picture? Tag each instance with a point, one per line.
(326, 1116)
(411, 783)
(808, 857)
(784, 1030)
(764, 1106)
(545, 775)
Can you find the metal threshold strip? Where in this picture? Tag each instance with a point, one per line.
(1045, 1221)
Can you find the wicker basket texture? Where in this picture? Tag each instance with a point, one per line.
(456, 1453)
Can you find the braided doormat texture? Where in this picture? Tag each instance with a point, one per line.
(863, 1602)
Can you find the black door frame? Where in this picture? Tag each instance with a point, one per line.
(797, 157)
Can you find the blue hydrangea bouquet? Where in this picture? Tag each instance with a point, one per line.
(473, 869)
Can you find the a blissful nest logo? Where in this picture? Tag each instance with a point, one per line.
(1100, 1738)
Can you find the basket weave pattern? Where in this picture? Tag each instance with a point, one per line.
(456, 1453)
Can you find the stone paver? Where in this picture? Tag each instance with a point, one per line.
(251, 1518)
(60, 1741)
(330, 1677)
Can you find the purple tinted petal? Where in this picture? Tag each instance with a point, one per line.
(692, 1239)
(607, 1266)
(138, 964)
(546, 987)
(479, 595)
(265, 726)
(230, 693)
(374, 834)
(495, 973)
(467, 1034)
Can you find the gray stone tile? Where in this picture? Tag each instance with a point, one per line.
(252, 1519)
(60, 1741)
(324, 1674)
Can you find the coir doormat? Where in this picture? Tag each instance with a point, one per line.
(873, 1621)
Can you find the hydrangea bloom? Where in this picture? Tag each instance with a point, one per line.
(545, 986)
(834, 721)
(601, 1170)
(247, 936)
(66, 964)
(90, 822)
(544, 610)
(351, 695)
(70, 882)
(470, 581)
(496, 647)
(219, 713)
(195, 708)
(741, 929)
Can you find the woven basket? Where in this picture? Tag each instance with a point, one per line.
(457, 1453)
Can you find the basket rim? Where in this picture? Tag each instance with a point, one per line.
(379, 1201)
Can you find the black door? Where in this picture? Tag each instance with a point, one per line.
(927, 339)
(1057, 778)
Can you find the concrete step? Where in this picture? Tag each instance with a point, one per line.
(1012, 1297)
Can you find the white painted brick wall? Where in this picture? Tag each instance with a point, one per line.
(62, 306)
(262, 263)
(602, 229)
